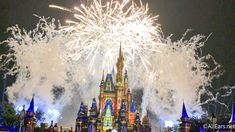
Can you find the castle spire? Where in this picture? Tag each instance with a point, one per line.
(31, 106)
(82, 118)
(30, 120)
(126, 77)
(122, 117)
(120, 50)
(185, 125)
(93, 116)
(102, 80)
(184, 112)
(103, 76)
(232, 119)
(120, 64)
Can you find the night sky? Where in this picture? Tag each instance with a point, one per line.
(176, 16)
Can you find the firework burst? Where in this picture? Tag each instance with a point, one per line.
(100, 29)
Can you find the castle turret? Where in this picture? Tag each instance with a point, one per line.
(99, 122)
(93, 116)
(128, 101)
(122, 118)
(185, 125)
(120, 65)
(120, 91)
(137, 123)
(132, 113)
(126, 82)
(101, 96)
(82, 119)
(30, 120)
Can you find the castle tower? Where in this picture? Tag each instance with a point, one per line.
(30, 120)
(122, 118)
(82, 119)
(126, 82)
(128, 102)
(93, 117)
(137, 124)
(101, 96)
(120, 65)
(232, 120)
(185, 125)
(99, 124)
(120, 91)
(132, 113)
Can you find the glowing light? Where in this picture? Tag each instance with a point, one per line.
(168, 123)
(52, 114)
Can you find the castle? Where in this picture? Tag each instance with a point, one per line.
(116, 107)
(115, 111)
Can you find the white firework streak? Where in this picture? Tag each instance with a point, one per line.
(100, 29)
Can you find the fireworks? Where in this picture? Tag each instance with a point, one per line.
(100, 29)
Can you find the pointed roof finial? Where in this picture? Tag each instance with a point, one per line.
(94, 105)
(184, 112)
(126, 76)
(113, 71)
(232, 119)
(120, 50)
(31, 106)
(103, 76)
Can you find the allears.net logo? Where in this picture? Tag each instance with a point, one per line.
(218, 126)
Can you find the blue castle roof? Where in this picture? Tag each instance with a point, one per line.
(31, 106)
(82, 109)
(132, 108)
(232, 120)
(184, 112)
(109, 77)
(94, 105)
